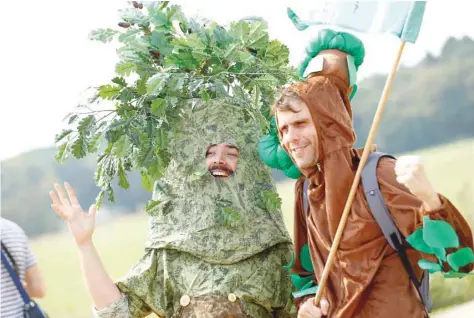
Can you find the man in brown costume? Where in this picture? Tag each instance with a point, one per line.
(314, 121)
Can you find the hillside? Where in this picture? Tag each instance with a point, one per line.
(430, 104)
(27, 179)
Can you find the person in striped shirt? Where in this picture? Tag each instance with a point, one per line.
(23, 261)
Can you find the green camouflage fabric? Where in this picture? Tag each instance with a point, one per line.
(219, 220)
(210, 236)
(159, 280)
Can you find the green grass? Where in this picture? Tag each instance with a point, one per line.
(120, 242)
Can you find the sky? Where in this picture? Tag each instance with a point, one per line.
(48, 61)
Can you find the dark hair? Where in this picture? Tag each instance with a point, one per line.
(284, 102)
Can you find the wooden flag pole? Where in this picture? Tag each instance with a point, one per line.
(355, 184)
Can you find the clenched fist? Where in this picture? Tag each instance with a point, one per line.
(411, 173)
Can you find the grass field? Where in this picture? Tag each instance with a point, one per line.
(120, 243)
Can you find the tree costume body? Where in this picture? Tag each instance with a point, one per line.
(213, 245)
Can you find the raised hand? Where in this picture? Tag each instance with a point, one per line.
(81, 224)
(102, 289)
(411, 173)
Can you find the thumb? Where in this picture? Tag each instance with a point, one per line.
(324, 305)
(92, 211)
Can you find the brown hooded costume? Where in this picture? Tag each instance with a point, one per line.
(367, 278)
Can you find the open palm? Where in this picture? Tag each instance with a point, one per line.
(81, 225)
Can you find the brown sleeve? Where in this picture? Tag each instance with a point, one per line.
(407, 210)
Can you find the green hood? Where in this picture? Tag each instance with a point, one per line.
(219, 220)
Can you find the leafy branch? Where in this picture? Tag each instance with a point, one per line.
(166, 60)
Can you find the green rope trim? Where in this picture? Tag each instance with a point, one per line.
(304, 285)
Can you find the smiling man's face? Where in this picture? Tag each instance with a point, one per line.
(298, 133)
(221, 160)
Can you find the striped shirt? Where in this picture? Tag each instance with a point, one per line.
(16, 241)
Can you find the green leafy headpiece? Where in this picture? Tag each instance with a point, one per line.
(165, 62)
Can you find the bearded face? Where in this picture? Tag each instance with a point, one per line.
(221, 160)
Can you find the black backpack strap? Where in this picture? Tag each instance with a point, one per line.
(389, 229)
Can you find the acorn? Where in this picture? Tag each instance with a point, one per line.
(155, 53)
(252, 51)
(124, 25)
(137, 5)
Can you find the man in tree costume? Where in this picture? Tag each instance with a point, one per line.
(216, 244)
